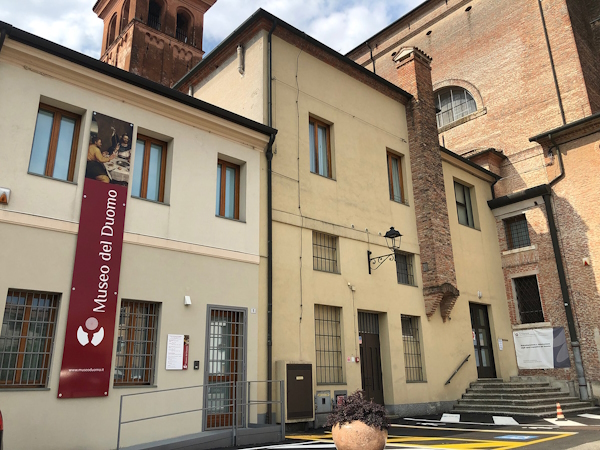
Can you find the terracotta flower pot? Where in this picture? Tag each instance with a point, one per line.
(358, 436)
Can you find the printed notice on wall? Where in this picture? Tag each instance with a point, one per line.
(175, 351)
(541, 348)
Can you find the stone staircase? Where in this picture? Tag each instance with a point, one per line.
(519, 397)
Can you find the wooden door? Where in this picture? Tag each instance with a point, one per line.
(370, 356)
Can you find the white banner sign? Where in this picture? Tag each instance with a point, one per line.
(534, 348)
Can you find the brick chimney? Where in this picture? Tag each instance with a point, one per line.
(433, 226)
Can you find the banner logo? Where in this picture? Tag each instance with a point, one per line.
(83, 336)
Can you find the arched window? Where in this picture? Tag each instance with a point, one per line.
(112, 30)
(124, 16)
(182, 31)
(453, 103)
(154, 11)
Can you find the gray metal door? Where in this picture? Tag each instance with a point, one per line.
(370, 356)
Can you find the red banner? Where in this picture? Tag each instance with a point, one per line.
(87, 356)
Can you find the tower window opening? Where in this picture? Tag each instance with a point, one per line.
(124, 16)
(154, 15)
(181, 32)
(112, 31)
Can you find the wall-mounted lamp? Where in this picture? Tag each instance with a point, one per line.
(392, 239)
(187, 300)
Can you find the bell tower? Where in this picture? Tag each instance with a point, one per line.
(158, 39)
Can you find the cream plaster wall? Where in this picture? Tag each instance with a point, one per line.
(170, 250)
(242, 94)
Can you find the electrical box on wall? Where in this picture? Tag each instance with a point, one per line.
(298, 391)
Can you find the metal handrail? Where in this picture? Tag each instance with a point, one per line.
(241, 402)
(456, 371)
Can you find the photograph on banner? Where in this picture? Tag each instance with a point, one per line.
(110, 150)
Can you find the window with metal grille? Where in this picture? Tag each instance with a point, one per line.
(154, 13)
(136, 343)
(453, 103)
(517, 233)
(413, 363)
(404, 268)
(325, 255)
(463, 204)
(328, 344)
(528, 299)
(27, 337)
(224, 367)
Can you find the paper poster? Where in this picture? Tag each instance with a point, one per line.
(541, 348)
(175, 343)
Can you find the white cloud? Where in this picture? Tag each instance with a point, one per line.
(340, 24)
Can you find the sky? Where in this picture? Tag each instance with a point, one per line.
(340, 24)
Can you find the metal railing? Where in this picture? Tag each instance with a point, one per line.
(235, 413)
(457, 369)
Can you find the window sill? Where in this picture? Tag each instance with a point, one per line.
(149, 200)
(467, 226)
(473, 115)
(229, 218)
(332, 384)
(407, 284)
(52, 178)
(323, 176)
(28, 389)
(404, 203)
(520, 249)
(327, 271)
(414, 382)
(528, 326)
(135, 386)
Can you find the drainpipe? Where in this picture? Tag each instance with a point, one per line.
(371, 50)
(560, 162)
(269, 155)
(240, 56)
(2, 37)
(560, 105)
(583, 392)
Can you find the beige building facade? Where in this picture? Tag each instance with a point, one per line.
(342, 175)
(178, 261)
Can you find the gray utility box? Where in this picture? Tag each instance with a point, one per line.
(298, 388)
(322, 408)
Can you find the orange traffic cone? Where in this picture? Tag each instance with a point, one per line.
(559, 413)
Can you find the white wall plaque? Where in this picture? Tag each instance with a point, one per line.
(174, 352)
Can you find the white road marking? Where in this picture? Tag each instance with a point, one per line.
(565, 423)
(590, 416)
(450, 418)
(501, 420)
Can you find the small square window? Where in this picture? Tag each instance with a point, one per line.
(228, 190)
(136, 343)
(463, 204)
(325, 255)
(404, 268)
(54, 149)
(320, 148)
(149, 169)
(395, 178)
(26, 340)
(517, 232)
(528, 299)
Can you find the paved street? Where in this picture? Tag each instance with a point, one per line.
(470, 431)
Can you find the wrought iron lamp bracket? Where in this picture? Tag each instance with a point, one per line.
(376, 261)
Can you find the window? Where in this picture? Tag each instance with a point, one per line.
(124, 16)
(149, 169)
(320, 148)
(26, 339)
(154, 11)
(54, 149)
(328, 343)
(413, 365)
(228, 190)
(395, 177)
(325, 257)
(517, 233)
(136, 343)
(463, 204)
(453, 103)
(404, 268)
(528, 299)
(183, 21)
(111, 34)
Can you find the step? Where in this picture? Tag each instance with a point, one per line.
(513, 390)
(509, 385)
(489, 380)
(524, 414)
(522, 395)
(519, 402)
(533, 409)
